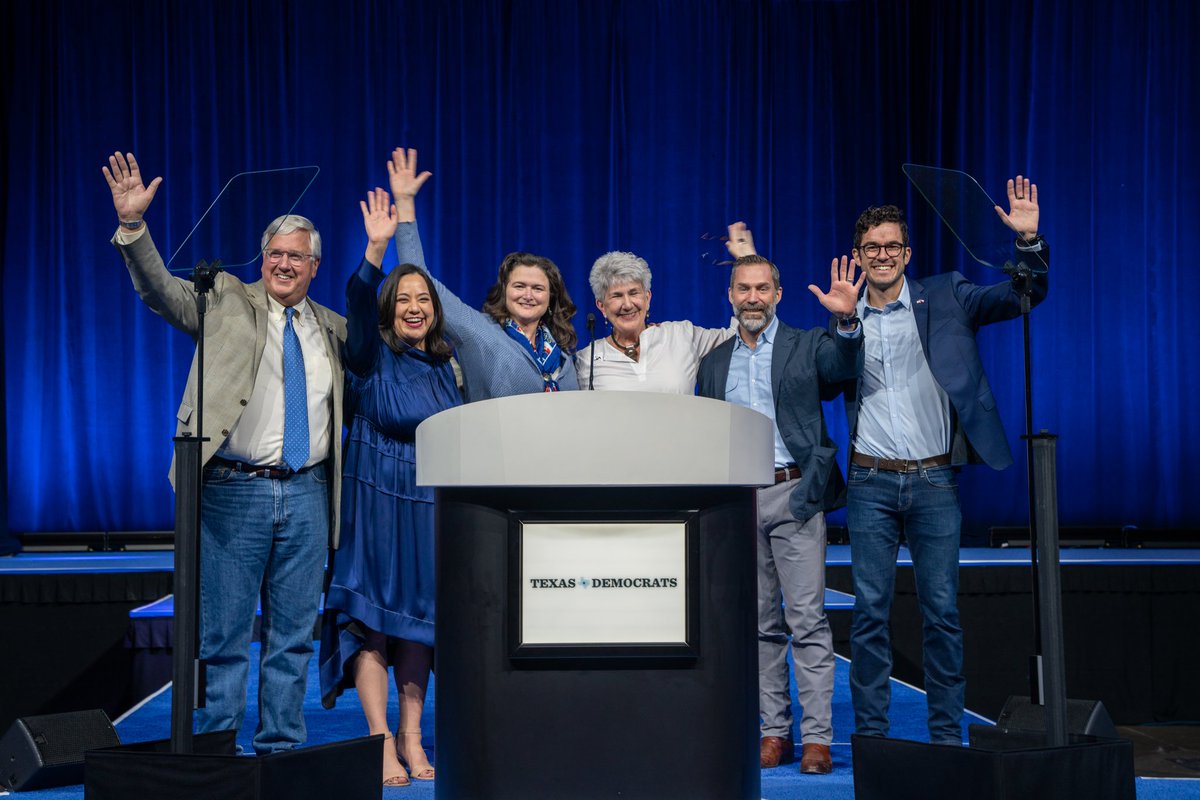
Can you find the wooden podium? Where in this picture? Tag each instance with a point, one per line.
(596, 632)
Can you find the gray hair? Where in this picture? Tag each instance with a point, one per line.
(290, 223)
(617, 267)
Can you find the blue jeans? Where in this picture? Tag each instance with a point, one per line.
(924, 507)
(260, 537)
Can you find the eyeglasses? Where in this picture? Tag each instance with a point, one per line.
(294, 258)
(871, 250)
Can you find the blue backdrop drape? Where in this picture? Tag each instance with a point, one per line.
(573, 128)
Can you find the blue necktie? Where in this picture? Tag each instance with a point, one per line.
(295, 398)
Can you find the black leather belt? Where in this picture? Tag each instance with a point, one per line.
(278, 472)
(898, 464)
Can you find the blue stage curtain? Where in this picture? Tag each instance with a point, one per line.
(569, 129)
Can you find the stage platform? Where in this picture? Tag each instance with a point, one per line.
(1128, 617)
(151, 720)
(1131, 617)
(65, 618)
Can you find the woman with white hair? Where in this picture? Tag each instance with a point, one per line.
(637, 355)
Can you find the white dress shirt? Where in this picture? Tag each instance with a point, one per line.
(668, 359)
(257, 438)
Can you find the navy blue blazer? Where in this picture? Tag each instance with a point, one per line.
(949, 309)
(802, 364)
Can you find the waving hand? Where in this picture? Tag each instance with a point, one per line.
(130, 196)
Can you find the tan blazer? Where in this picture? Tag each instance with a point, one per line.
(235, 333)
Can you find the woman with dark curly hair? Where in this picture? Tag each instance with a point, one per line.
(522, 342)
(379, 608)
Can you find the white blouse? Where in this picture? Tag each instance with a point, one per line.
(669, 358)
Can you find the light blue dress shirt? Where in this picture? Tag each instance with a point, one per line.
(902, 412)
(749, 382)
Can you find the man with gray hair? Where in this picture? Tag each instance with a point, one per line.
(273, 389)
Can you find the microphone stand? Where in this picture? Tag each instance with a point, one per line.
(187, 670)
(591, 326)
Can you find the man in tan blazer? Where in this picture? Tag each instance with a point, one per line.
(273, 409)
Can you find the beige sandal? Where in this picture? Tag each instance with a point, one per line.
(425, 774)
(396, 780)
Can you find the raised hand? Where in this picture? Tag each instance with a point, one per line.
(130, 196)
(1022, 214)
(380, 219)
(741, 241)
(379, 216)
(842, 296)
(406, 181)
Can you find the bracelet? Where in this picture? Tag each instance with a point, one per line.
(848, 322)
(131, 224)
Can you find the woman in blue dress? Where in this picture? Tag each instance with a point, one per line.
(379, 608)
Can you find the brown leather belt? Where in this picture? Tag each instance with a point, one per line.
(898, 464)
(789, 473)
(277, 473)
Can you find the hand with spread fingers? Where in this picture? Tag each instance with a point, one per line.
(1022, 214)
(131, 197)
(406, 181)
(842, 297)
(380, 219)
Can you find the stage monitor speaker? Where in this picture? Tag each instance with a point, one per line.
(896, 769)
(45, 751)
(1088, 717)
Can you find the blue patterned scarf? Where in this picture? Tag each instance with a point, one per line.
(544, 350)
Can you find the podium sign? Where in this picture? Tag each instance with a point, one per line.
(587, 584)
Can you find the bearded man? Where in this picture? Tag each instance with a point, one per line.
(780, 371)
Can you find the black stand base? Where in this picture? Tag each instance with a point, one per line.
(347, 770)
(1008, 766)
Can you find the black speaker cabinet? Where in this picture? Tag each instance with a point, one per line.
(1017, 768)
(44, 751)
(1088, 717)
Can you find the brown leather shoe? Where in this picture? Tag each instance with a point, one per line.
(775, 750)
(816, 760)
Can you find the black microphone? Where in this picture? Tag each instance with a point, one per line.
(591, 323)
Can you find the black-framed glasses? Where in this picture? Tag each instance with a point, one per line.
(872, 249)
(294, 257)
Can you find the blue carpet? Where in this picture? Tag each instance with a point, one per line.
(152, 721)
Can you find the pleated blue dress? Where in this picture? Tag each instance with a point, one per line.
(383, 571)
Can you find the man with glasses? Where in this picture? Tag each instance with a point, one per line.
(273, 408)
(921, 408)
